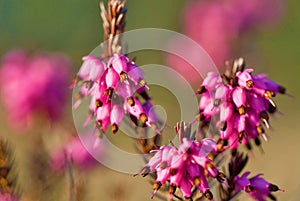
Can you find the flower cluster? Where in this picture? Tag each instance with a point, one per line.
(33, 84)
(113, 87)
(257, 187)
(185, 167)
(240, 101)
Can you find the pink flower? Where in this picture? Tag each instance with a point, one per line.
(114, 87)
(257, 187)
(33, 84)
(242, 104)
(217, 25)
(185, 167)
(80, 151)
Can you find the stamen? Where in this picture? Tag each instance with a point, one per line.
(114, 128)
(131, 101)
(98, 103)
(208, 195)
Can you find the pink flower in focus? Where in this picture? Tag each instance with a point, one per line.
(33, 84)
(257, 187)
(241, 101)
(114, 87)
(80, 151)
(185, 167)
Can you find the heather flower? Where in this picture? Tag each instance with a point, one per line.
(42, 80)
(185, 167)
(257, 187)
(239, 103)
(114, 82)
(114, 88)
(78, 151)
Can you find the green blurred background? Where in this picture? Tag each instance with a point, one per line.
(74, 27)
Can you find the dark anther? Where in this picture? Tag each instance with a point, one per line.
(221, 144)
(273, 188)
(233, 152)
(264, 115)
(282, 90)
(221, 177)
(272, 108)
(208, 195)
(241, 136)
(223, 126)
(145, 171)
(114, 128)
(173, 171)
(248, 145)
(133, 119)
(131, 101)
(201, 90)
(272, 197)
(145, 95)
(98, 103)
(257, 141)
(172, 189)
(109, 92)
(249, 188)
(202, 117)
(123, 76)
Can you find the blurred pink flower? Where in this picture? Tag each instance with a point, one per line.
(31, 84)
(216, 25)
(79, 151)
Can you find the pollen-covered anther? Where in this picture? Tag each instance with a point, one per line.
(260, 130)
(114, 128)
(123, 76)
(208, 194)
(242, 110)
(269, 94)
(109, 92)
(249, 188)
(98, 103)
(172, 189)
(131, 101)
(142, 82)
(143, 118)
(156, 186)
(197, 181)
(201, 90)
(250, 83)
(221, 145)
